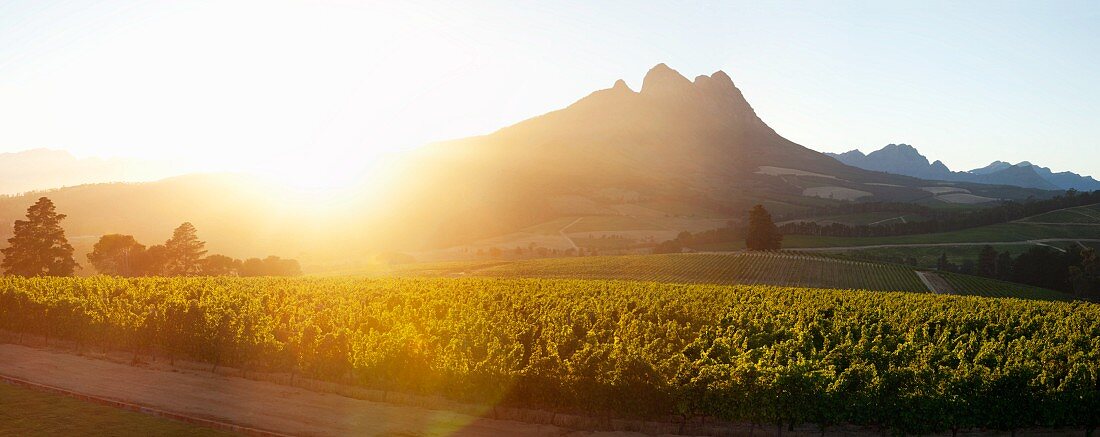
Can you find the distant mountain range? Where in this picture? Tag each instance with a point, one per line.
(903, 159)
(40, 169)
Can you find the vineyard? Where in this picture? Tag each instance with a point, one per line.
(789, 269)
(906, 362)
(747, 268)
(976, 286)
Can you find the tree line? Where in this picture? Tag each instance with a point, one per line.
(39, 247)
(938, 220)
(1075, 271)
(761, 233)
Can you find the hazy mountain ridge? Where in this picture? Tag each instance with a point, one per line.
(41, 169)
(904, 159)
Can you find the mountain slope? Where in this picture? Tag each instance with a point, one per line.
(677, 155)
(1064, 180)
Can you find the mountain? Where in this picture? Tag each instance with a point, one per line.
(1064, 180)
(677, 147)
(904, 159)
(993, 167)
(40, 169)
(901, 159)
(676, 155)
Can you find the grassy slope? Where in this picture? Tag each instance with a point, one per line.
(1081, 214)
(25, 412)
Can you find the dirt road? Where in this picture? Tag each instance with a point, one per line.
(566, 236)
(935, 283)
(256, 404)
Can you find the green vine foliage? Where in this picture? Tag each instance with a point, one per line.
(911, 363)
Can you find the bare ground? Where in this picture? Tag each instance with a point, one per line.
(195, 394)
(936, 283)
(256, 404)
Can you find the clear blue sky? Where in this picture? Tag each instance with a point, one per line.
(265, 85)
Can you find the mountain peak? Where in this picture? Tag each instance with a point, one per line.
(902, 148)
(621, 85)
(661, 79)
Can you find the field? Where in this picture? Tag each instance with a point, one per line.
(25, 412)
(999, 233)
(746, 268)
(1089, 214)
(927, 256)
(907, 362)
(976, 286)
(864, 218)
(783, 269)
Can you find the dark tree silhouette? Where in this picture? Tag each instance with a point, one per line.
(270, 266)
(38, 246)
(220, 265)
(118, 255)
(154, 261)
(762, 233)
(943, 264)
(184, 251)
(987, 262)
(1004, 266)
(1085, 278)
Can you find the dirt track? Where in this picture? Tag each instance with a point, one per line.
(935, 283)
(239, 401)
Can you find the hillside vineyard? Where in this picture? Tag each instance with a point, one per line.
(768, 355)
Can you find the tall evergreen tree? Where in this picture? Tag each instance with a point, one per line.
(987, 262)
(184, 252)
(943, 264)
(1004, 266)
(762, 233)
(38, 244)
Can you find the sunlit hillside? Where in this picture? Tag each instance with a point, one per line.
(676, 155)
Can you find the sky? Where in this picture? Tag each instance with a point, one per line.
(318, 90)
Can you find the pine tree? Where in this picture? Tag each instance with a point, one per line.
(942, 264)
(987, 262)
(38, 245)
(184, 251)
(117, 255)
(762, 234)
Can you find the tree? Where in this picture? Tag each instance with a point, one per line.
(1004, 265)
(154, 261)
(38, 244)
(987, 262)
(117, 255)
(762, 234)
(942, 264)
(219, 265)
(184, 251)
(1085, 277)
(270, 266)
